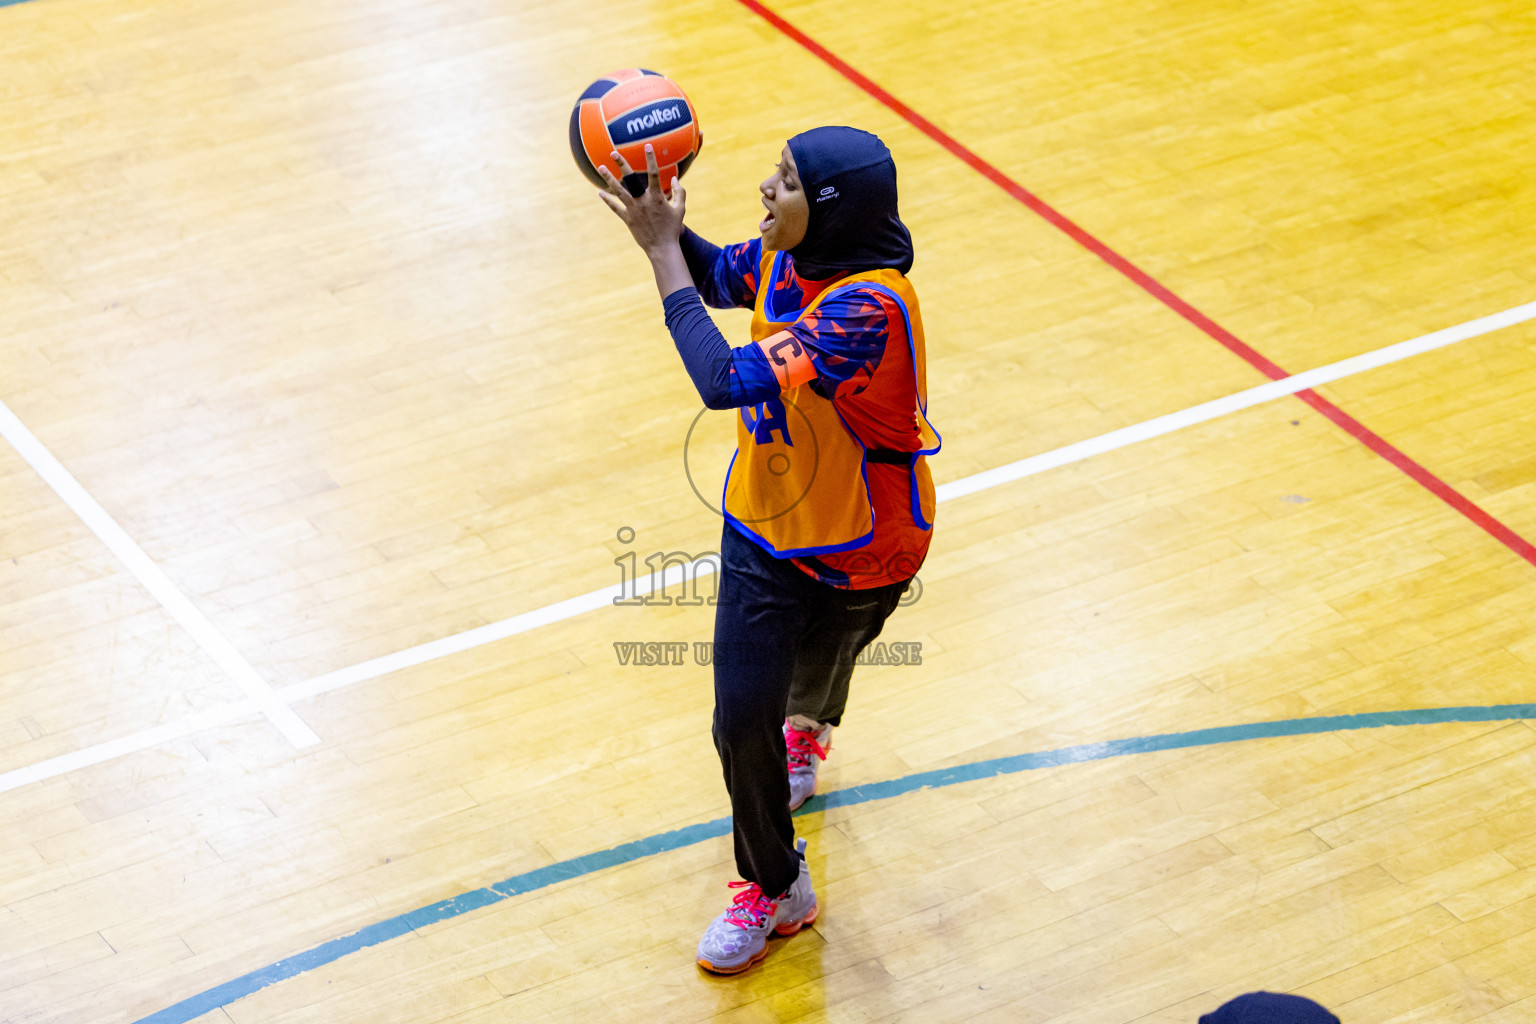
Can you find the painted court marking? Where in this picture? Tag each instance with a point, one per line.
(328, 952)
(276, 705)
(604, 597)
(1375, 442)
(261, 698)
(155, 581)
(1236, 402)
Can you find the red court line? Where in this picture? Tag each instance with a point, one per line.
(1375, 442)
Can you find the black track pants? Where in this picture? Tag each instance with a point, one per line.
(777, 629)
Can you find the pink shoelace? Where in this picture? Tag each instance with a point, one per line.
(750, 908)
(801, 746)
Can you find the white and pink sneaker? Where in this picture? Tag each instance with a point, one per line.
(806, 752)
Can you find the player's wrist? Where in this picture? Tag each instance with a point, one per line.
(670, 268)
(663, 250)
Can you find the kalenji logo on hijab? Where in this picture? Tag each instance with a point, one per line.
(830, 192)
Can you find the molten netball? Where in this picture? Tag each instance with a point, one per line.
(624, 110)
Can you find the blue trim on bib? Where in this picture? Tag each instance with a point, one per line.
(916, 495)
(769, 313)
(830, 549)
(906, 319)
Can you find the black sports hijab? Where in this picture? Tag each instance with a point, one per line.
(1269, 1008)
(850, 184)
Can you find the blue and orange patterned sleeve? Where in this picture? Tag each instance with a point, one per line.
(846, 338)
(725, 377)
(726, 278)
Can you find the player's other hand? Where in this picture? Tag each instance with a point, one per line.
(654, 220)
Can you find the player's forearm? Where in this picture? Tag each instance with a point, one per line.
(705, 352)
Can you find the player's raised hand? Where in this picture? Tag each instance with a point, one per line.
(653, 219)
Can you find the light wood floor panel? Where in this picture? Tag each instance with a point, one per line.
(311, 300)
(86, 653)
(1317, 177)
(446, 739)
(357, 405)
(1468, 414)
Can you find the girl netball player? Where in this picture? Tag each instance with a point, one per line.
(829, 503)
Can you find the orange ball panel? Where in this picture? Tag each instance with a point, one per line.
(673, 146)
(594, 137)
(634, 154)
(637, 91)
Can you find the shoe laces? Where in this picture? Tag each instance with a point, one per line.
(750, 908)
(802, 745)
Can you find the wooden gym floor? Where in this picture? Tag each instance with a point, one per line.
(338, 356)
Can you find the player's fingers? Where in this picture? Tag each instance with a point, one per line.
(612, 202)
(679, 198)
(624, 169)
(652, 171)
(614, 186)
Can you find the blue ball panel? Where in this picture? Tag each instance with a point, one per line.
(649, 120)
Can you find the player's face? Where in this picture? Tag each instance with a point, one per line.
(788, 213)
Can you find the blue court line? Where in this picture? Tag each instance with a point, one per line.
(374, 934)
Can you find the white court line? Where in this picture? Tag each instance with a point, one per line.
(1234, 403)
(154, 580)
(209, 718)
(226, 714)
(984, 480)
(481, 635)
